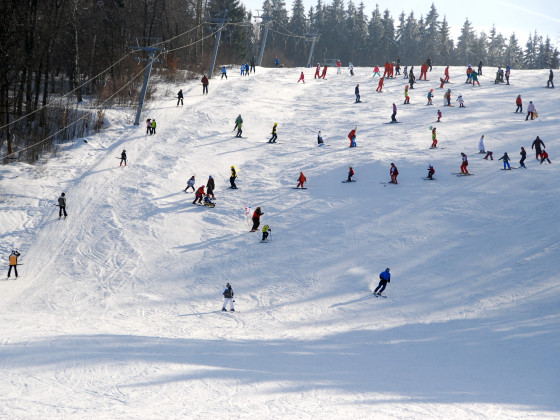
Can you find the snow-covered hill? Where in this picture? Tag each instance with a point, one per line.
(117, 310)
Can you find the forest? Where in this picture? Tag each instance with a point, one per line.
(57, 56)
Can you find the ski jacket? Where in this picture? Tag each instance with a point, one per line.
(465, 161)
(274, 129)
(505, 157)
(258, 213)
(148, 123)
(351, 172)
(551, 76)
(523, 153)
(319, 139)
(266, 228)
(123, 155)
(204, 80)
(434, 135)
(153, 123)
(190, 182)
(537, 144)
(352, 134)
(238, 122)
(385, 275)
(544, 155)
(394, 171)
(210, 184)
(431, 170)
(13, 257)
(233, 173)
(228, 292)
(474, 75)
(302, 178)
(62, 201)
(200, 191)
(446, 71)
(224, 71)
(406, 93)
(394, 109)
(180, 94)
(531, 107)
(518, 101)
(357, 90)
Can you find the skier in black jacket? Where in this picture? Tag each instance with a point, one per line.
(210, 186)
(228, 297)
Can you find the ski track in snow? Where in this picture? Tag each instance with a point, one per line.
(117, 311)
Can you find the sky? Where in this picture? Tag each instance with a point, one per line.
(508, 16)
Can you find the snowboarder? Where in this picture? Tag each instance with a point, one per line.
(238, 126)
(274, 135)
(460, 100)
(265, 231)
(224, 72)
(481, 148)
(153, 126)
(406, 97)
(431, 171)
(352, 137)
(376, 71)
(199, 195)
(13, 262)
(544, 156)
(148, 126)
(506, 159)
(550, 82)
(430, 97)
(519, 104)
(523, 154)
(357, 93)
(190, 184)
(538, 145)
(384, 278)
(464, 164)
(301, 78)
(317, 71)
(180, 97)
(350, 174)
(123, 158)
(301, 180)
(210, 186)
(62, 206)
(394, 172)
(232, 178)
(257, 219)
(530, 111)
(338, 67)
(205, 83)
(380, 85)
(228, 298)
(394, 115)
(434, 138)
(439, 115)
(320, 139)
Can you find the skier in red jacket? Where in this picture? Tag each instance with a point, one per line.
(199, 195)
(317, 71)
(380, 85)
(352, 137)
(301, 180)
(446, 74)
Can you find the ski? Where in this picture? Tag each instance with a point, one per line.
(428, 179)
(464, 174)
(300, 188)
(383, 296)
(513, 167)
(437, 147)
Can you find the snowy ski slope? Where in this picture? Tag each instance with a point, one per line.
(117, 310)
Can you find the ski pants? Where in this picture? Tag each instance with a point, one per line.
(529, 113)
(357, 97)
(61, 211)
(232, 182)
(239, 132)
(273, 138)
(538, 152)
(198, 199)
(256, 223)
(506, 165)
(519, 108)
(393, 117)
(10, 270)
(179, 100)
(464, 169)
(230, 301)
(522, 162)
(550, 82)
(381, 286)
(265, 236)
(205, 89)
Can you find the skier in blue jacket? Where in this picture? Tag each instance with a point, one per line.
(384, 278)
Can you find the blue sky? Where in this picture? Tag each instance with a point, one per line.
(521, 17)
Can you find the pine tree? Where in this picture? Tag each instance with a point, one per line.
(445, 43)
(513, 53)
(298, 27)
(389, 48)
(375, 30)
(431, 35)
(463, 52)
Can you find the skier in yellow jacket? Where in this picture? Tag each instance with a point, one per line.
(13, 262)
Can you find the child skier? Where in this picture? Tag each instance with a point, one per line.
(350, 173)
(301, 180)
(430, 97)
(439, 115)
(464, 164)
(460, 100)
(190, 184)
(380, 85)
(505, 158)
(199, 195)
(324, 74)
(352, 137)
(523, 154)
(434, 138)
(406, 97)
(474, 76)
(376, 71)
(274, 135)
(228, 298)
(232, 178)
(301, 78)
(544, 156)
(265, 231)
(238, 126)
(394, 172)
(519, 104)
(431, 172)
(320, 139)
(384, 278)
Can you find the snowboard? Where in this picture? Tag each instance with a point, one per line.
(393, 122)
(232, 188)
(437, 147)
(463, 174)
(346, 181)
(390, 182)
(513, 167)
(300, 188)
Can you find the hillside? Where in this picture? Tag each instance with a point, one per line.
(116, 313)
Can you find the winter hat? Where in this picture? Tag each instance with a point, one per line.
(210, 176)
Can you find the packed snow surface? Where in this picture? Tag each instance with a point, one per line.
(116, 313)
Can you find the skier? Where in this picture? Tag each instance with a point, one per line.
(481, 148)
(205, 83)
(538, 145)
(380, 85)
(148, 126)
(405, 72)
(394, 172)
(474, 76)
(439, 115)
(123, 158)
(199, 195)
(406, 97)
(469, 72)
(274, 135)
(228, 298)
(446, 75)
(530, 111)
(544, 156)
(210, 186)
(550, 79)
(376, 71)
(505, 158)
(320, 139)
(460, 100)
(224, 72)
(434, 139)
(301, 180)
(431, 171)
(62, 206)
(153, 126)
(324, 73)
(489, 154)
(238, 125)
(190, 184)
(180, 97)
(351, 68)
(357, 93)
(394, 115)
(253, 69)
(441, 82)
(480, 67)
(352, 137)
(257, 219)
(13, 262)
(423, 70)
(411, 78)
(350, 174)
(301, 78)
(384, 278)
(523, 154)
(447, 97)
(338, 67)
(265, 231)
(519, 104)
(464, 164)
(317, 71)
(232, 178)
(430, 97)
(508, 71)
